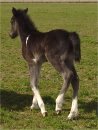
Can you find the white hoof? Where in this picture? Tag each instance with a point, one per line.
(45, 114)
(72, 115)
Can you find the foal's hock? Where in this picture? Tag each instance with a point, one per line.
(59, 47)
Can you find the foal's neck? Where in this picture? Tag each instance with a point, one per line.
(26, 28)
(23, 35)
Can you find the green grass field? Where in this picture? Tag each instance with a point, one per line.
(16, 95)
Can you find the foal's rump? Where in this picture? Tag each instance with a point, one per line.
(61, 44)
(74, 37)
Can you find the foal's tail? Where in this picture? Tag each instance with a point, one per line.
(74, 37)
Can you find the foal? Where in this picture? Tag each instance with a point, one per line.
(61, 48)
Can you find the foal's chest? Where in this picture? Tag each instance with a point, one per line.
(27, 54)
(32, 55)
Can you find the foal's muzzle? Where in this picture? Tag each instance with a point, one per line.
(13, 35)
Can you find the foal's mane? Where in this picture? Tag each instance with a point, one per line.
(26, 22)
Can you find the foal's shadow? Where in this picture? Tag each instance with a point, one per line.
(15, 101)
(89, 106)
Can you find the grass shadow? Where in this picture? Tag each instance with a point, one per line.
(12, 100)
(15, 101)
(49, 101)
(89, 106)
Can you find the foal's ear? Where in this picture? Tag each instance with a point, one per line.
(26, 10)
(14, 11)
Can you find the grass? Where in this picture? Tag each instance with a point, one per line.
(16, 94)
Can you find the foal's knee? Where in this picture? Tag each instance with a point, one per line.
(67, 75)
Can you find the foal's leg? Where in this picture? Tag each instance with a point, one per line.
(60, 99)
(34, 74)
(75, 85)
(34, 103)
(65, 70)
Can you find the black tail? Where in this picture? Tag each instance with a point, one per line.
(74, 37)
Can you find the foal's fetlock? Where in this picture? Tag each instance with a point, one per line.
(58, 108)
(58, 112)
(73, 115)
(43, 110)
(34, 106)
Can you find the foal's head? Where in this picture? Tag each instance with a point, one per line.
(14, 27)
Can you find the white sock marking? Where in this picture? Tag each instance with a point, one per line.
(74, 109)
(39, 99)
(59, 102)
(74, 105)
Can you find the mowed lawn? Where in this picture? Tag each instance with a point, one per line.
(16, 94)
